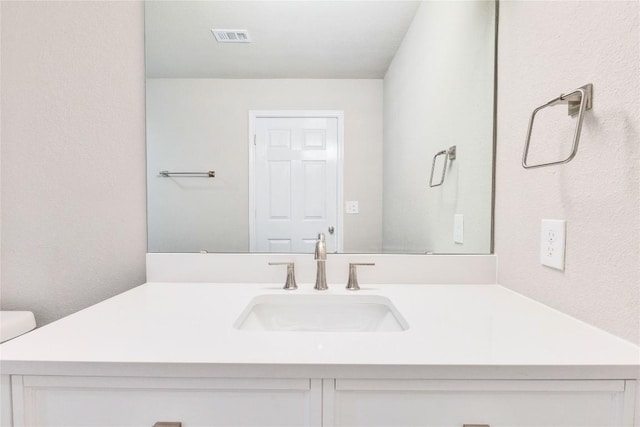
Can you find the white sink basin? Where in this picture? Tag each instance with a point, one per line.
(321, 313)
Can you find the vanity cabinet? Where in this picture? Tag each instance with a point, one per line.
(109, 401)
(455, 403)
(120, 401)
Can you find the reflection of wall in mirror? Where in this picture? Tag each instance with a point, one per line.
(202, 124)
(438, 92)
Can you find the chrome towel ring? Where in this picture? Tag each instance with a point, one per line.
(449, 154)
(579, 101)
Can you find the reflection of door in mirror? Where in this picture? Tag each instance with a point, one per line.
(294, 165)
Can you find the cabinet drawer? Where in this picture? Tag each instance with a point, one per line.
(82, 401)
(495, 403)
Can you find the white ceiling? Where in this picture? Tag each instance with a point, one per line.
(290, 39)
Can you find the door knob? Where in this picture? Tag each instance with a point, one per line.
(331, 229)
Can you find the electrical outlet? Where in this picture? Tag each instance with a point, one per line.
(552, 243)
(351, 207)
(458, 228)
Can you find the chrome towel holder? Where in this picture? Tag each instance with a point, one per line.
(207, 174)
(449, 154)
(579, 101)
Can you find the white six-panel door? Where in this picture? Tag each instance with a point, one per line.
(295, 183)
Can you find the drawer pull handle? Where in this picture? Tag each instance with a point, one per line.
(476, 425)
(168, 424)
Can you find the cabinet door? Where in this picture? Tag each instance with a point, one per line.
(97, 401)
(493, 403)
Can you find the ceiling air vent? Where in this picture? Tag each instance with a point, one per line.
(231, 36)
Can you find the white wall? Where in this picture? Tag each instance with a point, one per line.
(547, 48)
(1, 419)
(73, 153)
(202, 124)
(438, 92)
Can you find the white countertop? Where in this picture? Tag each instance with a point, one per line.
(454, 331)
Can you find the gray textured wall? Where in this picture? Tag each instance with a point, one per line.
(73, 154)
(598, 193)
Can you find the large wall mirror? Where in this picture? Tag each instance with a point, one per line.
(269, 122)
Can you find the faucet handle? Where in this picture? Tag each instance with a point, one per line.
(290, 283)
(352, 284)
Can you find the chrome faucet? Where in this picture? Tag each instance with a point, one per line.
(320, 255)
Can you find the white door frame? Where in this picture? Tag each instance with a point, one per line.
(257, 114)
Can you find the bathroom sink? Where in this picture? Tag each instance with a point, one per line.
(321, 313)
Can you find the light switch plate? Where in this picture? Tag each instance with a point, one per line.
(351, 207)
(552, 243)
(458, 228)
